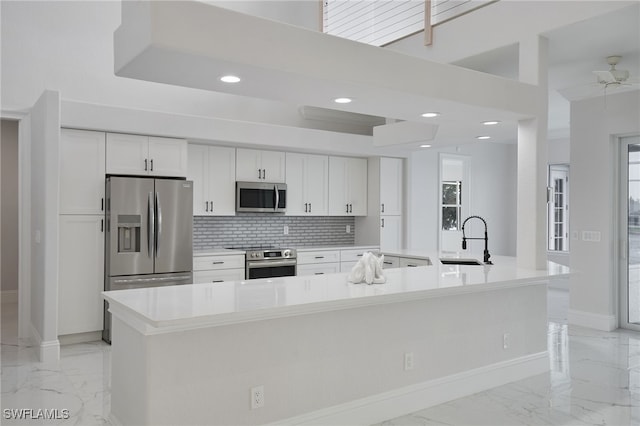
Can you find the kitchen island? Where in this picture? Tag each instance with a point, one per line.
(323, 350)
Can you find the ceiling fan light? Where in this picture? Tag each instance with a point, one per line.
(620, 75)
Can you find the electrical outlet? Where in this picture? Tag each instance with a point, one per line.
(257, 397)
(506, 340)
(286, 230)
(348, 229)
(408, 361)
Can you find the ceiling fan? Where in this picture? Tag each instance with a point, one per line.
(613, 77)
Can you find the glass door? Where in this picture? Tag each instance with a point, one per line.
(630, 232)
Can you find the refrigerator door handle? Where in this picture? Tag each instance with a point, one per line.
(159, 223)
(151, 224)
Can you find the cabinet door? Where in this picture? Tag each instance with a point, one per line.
(318, 269)
(390, 233)
(205, 277)
(357, 186)
(316, 181)
(391, 178)
(167, 157)
(127, 154)
(82, 172)
(337, 190)
(248, 165)
(197, 168)
(297, 204)
(273, 166)
(81, 274)
(222, 181)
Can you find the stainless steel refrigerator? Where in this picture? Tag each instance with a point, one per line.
(148, 235)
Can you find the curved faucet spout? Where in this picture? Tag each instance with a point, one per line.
(487, 256)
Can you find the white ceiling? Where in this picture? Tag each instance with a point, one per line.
(304, 79)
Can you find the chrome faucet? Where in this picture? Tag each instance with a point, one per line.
(486, 239)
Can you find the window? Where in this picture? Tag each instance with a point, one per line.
(558, 205)
(451, 205)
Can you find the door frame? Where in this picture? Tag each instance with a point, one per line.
(621, 248)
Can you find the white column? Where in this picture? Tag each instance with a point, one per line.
(532, 160)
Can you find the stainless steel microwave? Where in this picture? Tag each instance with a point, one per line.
(261, 197)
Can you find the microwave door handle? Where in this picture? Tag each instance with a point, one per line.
(151, 224)
(275, 189)
(159, 223)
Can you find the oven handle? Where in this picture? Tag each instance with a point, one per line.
(271, 263)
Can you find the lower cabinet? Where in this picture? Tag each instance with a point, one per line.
(81, 274)
(318, 269)
(410, 262)
(217, 268)
(390, 262)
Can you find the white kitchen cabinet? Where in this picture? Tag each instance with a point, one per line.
(81, 274)
(146, 155)
(218, 268)
(410, 262)
(307, 184)
(254, 165)
(390, 232)
(318, 269)
(391, 262)
(213, 172)
(347, 186)
(82, 172)
(391, 187)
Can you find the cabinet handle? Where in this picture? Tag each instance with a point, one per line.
(206, 206)
(101, 225)
(411, 265)
(383, 222)
(305, 207)
(217, 281)
(309, 207)
(319, 273)
(350, 208)
(102, 204)
(152, 164)
(382, 207)
(319, 257)
(259, 173)
(388, 263)
(145, 164)
(219, 262)
(264, 173)
(347, 208)
(211, 206)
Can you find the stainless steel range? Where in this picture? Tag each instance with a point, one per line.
(269, 262)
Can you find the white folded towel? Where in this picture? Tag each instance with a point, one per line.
(368, 270)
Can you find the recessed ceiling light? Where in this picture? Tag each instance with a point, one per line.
(430, 114)
(483, 137)
(490, 123)
(230, 79)
(342, 100)
(425, 146)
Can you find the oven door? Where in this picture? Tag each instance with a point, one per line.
(271, 268)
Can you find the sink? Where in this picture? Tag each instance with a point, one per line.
(459, 261)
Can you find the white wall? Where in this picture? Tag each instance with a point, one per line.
(493, 195)
(306, 13)
(559, 151)
(9, 191)
(593, 201)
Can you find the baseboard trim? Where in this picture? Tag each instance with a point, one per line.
(9, 296)
(591, 320)
(409, 399)
(48, 350)
(71, 339)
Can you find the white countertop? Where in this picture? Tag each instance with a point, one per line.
(167, 309)
(318, 248)
(414, 254)
(217, 252)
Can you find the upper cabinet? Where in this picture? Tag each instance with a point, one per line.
(260, 166)
(347, 186)
(213, 172)
(82, 168)
(146, 155)
(391, 178)
(307, 184)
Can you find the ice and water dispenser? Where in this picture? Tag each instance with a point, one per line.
(129, 233)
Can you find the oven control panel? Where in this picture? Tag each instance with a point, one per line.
(271, 254)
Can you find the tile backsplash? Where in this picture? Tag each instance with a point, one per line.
(268, 229)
